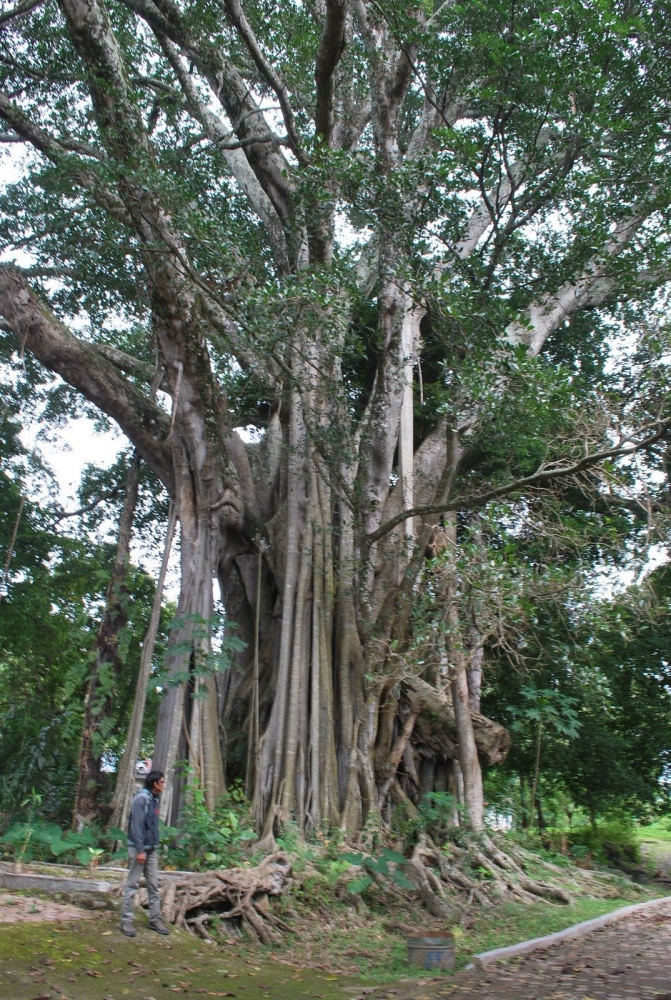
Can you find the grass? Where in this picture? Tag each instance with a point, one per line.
(655, 841)
(334, 946)
(371, 945)
(91, 960)
(514, 922)
(656, 832)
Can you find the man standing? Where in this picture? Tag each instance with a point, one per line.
(143, 853)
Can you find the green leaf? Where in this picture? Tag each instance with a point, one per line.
(359, 885)
(402, 880)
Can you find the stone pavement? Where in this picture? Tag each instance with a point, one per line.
(628, 960)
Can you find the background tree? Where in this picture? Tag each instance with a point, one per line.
(51, 606)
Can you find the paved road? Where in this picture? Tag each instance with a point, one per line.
(628, 960)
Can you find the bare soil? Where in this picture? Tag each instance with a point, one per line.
(31, 909)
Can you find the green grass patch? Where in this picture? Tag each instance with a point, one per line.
(659, 831)
(91, 960)
(511, 923)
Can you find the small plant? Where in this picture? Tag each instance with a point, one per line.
(91, 857)
(21, 835)
(388, 863)
(37, 840)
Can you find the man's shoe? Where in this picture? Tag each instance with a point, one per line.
(127, 928)
(158, 926)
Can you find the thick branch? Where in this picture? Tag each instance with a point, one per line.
(82, 367)
(125, 362)
(547, 473)
(492, 740)
(268, 164)
(330, 50)
(218, 134)
(272, 78)
(589, 289)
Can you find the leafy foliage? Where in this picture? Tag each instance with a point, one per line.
(209, 840)
(387, 862)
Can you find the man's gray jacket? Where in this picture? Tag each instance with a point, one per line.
(143, 822)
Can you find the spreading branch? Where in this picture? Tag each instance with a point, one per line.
(216, 131)
(271, 76)
(549, 472)
(267, 162)
(592, 287)
(87, 508)
(56, 151)
(19, 11)
(84, 368)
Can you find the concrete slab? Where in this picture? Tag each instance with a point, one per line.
(51, 883)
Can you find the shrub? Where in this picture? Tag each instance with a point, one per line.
(209, 840)
(612, 843)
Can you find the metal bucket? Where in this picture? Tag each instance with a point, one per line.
(431, 952)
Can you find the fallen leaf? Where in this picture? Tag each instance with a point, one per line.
(331, 979)
(105, 933)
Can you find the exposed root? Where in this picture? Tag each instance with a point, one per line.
(229, 898)
(509, 871)
(419, 876)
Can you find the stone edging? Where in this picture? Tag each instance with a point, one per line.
(51, 883)
(586, 927)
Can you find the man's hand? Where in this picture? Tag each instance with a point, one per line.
(141, 858)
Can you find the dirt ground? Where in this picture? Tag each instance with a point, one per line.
(15, 909)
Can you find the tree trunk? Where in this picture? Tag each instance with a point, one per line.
(106, 664)
(537, 765)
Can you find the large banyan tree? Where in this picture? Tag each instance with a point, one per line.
(374, 235)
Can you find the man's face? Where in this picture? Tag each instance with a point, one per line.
(158, 786)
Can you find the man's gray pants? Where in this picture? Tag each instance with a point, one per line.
(150, 869)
